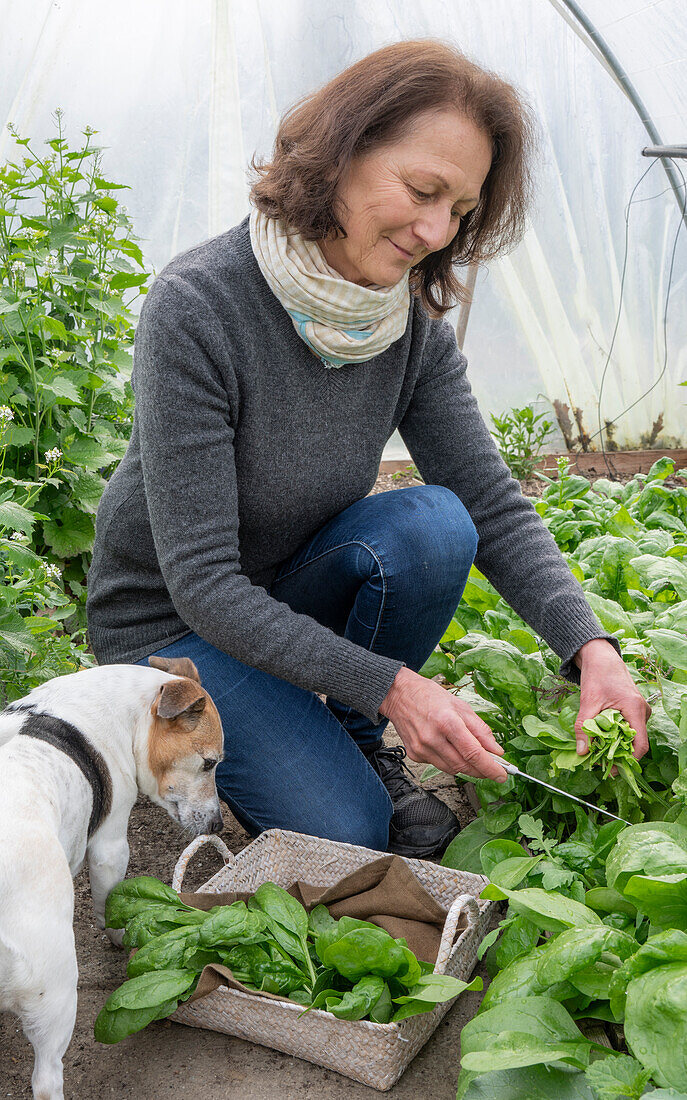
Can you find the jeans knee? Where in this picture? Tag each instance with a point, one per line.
(447, 509)
(439, 527)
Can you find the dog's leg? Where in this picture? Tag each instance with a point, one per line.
(108, 859)
(48, 1017)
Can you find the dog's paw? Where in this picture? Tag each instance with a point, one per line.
(115, 935)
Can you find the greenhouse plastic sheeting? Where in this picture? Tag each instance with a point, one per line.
(183, 92)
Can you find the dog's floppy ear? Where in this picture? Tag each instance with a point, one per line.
(180, 698)
(177, 666)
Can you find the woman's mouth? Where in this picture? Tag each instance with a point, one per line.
(401, 251)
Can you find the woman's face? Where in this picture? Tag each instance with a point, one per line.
(393, 205)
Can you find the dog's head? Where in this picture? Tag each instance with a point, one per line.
(185, 744)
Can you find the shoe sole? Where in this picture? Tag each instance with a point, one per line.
(424, 853)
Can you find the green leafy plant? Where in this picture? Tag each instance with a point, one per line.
(520, 435)
(632, 565)
(408, 471)
(67, 260)
(350, 968)
(33, 604)
(611, 740)
(585, 961)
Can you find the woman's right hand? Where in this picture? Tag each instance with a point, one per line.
(438, 728)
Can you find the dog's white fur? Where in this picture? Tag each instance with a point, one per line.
(45, 809)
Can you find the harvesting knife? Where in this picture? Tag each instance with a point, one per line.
(513, 770)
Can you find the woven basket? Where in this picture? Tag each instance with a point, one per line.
(375, 1054)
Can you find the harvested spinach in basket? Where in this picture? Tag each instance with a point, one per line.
(348, 967)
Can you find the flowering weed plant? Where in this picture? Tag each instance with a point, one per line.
(67, 261)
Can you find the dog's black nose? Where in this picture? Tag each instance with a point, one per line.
(217, 824)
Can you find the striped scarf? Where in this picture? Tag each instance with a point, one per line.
(338, 320)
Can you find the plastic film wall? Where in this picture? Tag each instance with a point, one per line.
(183, 92)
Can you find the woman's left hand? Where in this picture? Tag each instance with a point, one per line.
(605, 681)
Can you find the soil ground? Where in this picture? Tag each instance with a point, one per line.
(169, 1060)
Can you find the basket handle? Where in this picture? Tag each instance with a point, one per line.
(464, 903)
(191, 849)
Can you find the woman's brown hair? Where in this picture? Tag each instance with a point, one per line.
(374, 103)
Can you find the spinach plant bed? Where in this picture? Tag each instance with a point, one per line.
(596, 926)
(350, 968)
(618, 957)
(627, 545)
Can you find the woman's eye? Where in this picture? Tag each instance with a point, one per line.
(424, 195)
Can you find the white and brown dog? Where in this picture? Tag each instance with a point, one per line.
(74, 753)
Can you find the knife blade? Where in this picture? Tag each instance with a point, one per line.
(513, 770)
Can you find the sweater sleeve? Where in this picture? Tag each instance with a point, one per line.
(451, 446)
(186, 410)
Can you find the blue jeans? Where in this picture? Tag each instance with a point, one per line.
(388, 573)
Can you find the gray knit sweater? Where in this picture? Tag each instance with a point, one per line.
(244, 445)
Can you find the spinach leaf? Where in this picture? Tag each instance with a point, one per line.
(119, 910)
(652, 847)
(663, 899)
(412, 974)
(531, 1082)
(358, 1001)
(149, 888)
(656, 1022)
(138, 895)
(382, 1010)
(517, 940)
(113, 1026)
(666, 947)
(150, 989)
(463, 853)
(148, 924)
(320, 920)
(535, 1030)
(365, 951)
(230, 924)
(287, 920)
(252, 964)
(433, 989)
(549, 911)
(520, 979)
(577, 948)
(164, 952)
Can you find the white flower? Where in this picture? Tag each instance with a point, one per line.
(17, 536)
(51, 262)
(6, 414)
(53, 455)
(18, 267)
(53, 571)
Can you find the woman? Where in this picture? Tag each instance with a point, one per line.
(272, 364)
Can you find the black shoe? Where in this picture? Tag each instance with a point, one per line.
(421, 825)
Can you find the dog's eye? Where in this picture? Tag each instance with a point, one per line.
(208, 764)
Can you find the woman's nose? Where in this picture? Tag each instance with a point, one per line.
(433, 229)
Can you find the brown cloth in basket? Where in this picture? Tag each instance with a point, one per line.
(384, 892)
